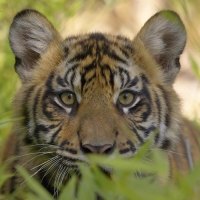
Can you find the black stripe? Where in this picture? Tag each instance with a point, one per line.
(79, 57)
(28, 139)
(84, 81)
(123, 48)
(35, 106)
(97, 36)
(157, 137)
(70, 38)
(138, 136)
(145, 130)
(123, 45)
(123, 39)
(66, 76)
(137, 109)
(89, 67)
(111, 79)
(103, 76)
(132, 146)
(44, 128)
(72, 79)
(145, 100)
(71, 69)
(60, 81)
(41, 127)
(145, 79)
(145, 92)
(25, 111)
(149, 130)
(47, 114)
(166, 144)
(66, 51)
(112, 54)
(122, 151)
(72, 151)
(124, 79)
(132, 83)
(35, 103)
(158, 106)
(82, 55)
(146, 114)
(47, 99)
(53, 137)
(63, 143)
(124, 52)
(49, 82)
(167, 103)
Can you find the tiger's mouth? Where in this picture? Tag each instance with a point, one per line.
(72, 162)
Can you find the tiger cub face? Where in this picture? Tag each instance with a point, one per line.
(97, 93)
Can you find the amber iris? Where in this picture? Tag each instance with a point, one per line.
(68, 98)
(126, 99)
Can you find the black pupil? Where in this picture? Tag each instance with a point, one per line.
(69, 96)
(125, 96)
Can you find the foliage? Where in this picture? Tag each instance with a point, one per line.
(126, 182)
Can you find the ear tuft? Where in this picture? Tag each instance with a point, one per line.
(164, 36)
(30, 36)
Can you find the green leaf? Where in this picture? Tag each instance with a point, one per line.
(34, 185)
(195, 66)
(68, 192)
(87, 185)
(3, 175)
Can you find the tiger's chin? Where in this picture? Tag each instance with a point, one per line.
(55, 178)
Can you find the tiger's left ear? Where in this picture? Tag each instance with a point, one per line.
(164, 36)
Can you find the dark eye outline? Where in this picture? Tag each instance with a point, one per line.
(63, 103)
(130, 104)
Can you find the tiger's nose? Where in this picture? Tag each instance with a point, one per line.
(100, 149)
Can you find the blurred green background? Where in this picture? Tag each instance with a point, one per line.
(113, 16)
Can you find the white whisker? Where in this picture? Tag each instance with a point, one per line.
(55, 164)
(55, 182)
(51, 166)
(39, 154)
(44, 163)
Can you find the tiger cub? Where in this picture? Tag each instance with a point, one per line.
(96, 93)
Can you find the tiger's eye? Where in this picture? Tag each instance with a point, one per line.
(126, 99)
(68, 98)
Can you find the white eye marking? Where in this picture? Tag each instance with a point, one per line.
(68, 110)
(126, 109)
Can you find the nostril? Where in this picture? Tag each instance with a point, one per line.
(104, 149)
(86, 148)
(109, 149)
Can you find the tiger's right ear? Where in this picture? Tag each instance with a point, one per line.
(30, 36)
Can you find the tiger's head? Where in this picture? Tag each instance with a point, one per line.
(97, 93)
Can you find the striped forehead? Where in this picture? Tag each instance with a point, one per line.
(97, 60)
